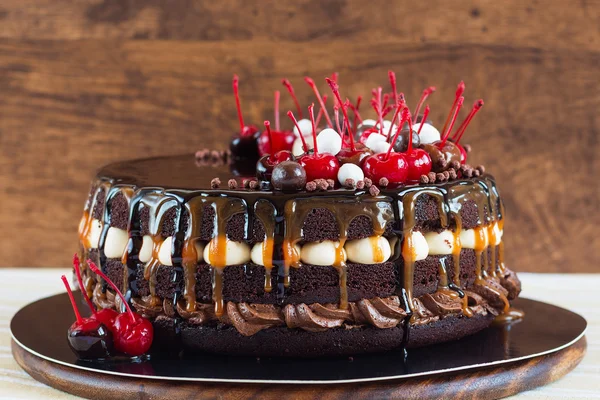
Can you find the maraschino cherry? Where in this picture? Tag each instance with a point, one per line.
(390, 165)
(132, 334)
(461, 130)
(106, 315)
(265, 165)
(419, 162)
(275, 140)
(244, 145)
(89, 338)
(318, 165)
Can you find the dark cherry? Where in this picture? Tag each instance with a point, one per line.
(288, 176)
(244, 144)
(441, 157)
(277, 141)
(354, 156)
(265, 165)
(401, 144)
(320, 166)
(132, 334)
(392, 166)
(88, 338)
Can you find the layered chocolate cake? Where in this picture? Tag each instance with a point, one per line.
(377, 236)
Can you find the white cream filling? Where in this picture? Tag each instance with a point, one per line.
(146, 251)
(421, 248)
(164, 252)
(440, 243)
(236, 253)
(497, 234)
(94, 234)
(320, 253)
(371, 250)
(115, 243)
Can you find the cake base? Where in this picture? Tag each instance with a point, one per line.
(484, 383)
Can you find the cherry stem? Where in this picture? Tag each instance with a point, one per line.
(378, 110)
(425, 114)
(459, 91)
(77, 267)
(394, 118)
(409, 148)
(311, 112)
(392, 77)
(311, 83)
(356, 114)
(334, 77)
(291, 116)
(290, 89)
(336, 115)
(320, 113)
(405, 117)
(94, 268)
(336, 92)
(424, 97)
(72, 298)
(463, 127)
(236, 93)
(268, 128)
(446, 133)
(277, 97)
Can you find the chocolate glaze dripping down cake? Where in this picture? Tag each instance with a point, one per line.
(262, 272)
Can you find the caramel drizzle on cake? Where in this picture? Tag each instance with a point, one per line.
(282, 218)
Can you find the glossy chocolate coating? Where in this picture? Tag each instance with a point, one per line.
(401, 144)
(442, 158)
(288, 176)
(92, 341)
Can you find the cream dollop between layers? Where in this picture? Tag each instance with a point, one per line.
(370, 250)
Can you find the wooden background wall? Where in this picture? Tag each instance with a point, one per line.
(83, 83)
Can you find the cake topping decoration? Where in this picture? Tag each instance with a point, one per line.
(290, 89)
(245, 144)
(88, 338)
(312, 85)
(288, 176)
(265, 165)
(132, 334)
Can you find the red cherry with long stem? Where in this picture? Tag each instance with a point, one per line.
(446, 133)
(313, 86)
(424, 97)
(106, 315)
(394, 168)
(244, 130)
(418, 160)
(291, 116)
(132, 334)
(336, 92)
(461, 129)
(290, 89)
(459, 91)
(392, 78)
(276, 108)
(320, 113)
(87, 337)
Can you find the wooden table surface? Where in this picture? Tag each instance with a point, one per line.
(577, 292)
(86, 82)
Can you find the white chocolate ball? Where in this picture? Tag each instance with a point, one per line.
(467, 238)
(164, 252)
(298, 149)
(329, 141)
(236, 253)
(429, 133)
(350, 171)
(440, 243)
(115, 242)
(371, 250)
(373, 138)
(497, 235)
(380, 147)
(146, 250)
(320, 253)
(305, 126)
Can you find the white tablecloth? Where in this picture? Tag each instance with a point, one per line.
(577, 292)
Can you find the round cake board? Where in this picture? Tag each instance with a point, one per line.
(487, 383)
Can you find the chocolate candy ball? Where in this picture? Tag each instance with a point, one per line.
(288, 176)
(401, 144)
(442, 157)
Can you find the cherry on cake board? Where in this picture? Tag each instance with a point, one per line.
(538, 356)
